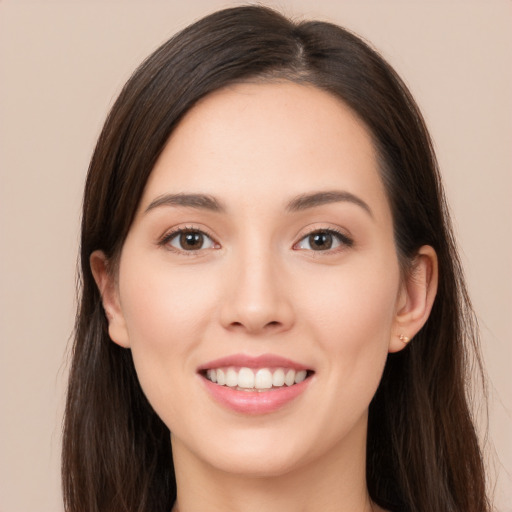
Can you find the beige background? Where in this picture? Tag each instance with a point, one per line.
(61, 65)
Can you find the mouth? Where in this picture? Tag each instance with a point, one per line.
(256, 379)
(255, 385)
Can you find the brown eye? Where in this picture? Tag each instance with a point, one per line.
(320, 241)
(190, 240)
(324, 240)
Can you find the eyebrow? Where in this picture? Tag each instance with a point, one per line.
(305, 201)
(200, 201)
(299, 203)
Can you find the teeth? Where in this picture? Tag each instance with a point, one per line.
(289, 378)
(263, 379)
(246, 378)
(260, 379)
(221, 377)
(300, 376)
(278, 378)
(231, 378)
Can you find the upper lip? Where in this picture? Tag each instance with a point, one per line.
(246, 361)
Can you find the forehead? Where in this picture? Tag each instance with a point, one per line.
(267, 139)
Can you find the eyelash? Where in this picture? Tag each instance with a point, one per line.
(168, 237)
(342, 238)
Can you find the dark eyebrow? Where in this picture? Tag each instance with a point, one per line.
(201, 201)
(305, 201)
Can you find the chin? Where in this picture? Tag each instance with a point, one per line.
(247, 453)
(264, 465)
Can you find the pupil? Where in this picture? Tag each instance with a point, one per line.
(191, 240)
(321, 240)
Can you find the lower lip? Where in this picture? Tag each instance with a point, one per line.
(255, 402)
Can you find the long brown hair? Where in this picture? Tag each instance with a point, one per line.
(423, 454)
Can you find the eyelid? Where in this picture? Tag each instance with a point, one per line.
(345, 241)
(175, 231)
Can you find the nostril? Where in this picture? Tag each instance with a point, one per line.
(269, 325)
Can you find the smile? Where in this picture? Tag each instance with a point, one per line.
(255, 379)
(255, 385)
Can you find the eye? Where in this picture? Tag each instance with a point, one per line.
(189, 240)
(323, 240)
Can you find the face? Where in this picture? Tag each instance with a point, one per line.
(262, 257)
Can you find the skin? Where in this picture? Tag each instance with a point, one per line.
(259, 287)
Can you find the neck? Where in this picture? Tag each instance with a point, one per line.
(336, 483)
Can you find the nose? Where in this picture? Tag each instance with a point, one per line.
(257, 298)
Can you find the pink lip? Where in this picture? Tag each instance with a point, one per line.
(253, 402)
(263, 361)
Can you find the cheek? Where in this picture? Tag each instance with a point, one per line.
(352, 320)
(353, 304)
(165, 313)
(163, 308)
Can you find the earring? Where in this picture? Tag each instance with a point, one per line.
(404, 339)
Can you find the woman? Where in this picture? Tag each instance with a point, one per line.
(263, 224)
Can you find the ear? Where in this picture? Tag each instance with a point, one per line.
(415, 299)
(106, 282)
